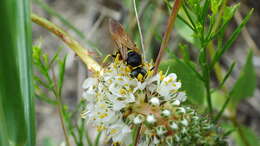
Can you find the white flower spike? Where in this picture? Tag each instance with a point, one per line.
(116, 103)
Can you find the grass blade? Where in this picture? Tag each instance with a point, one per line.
(17, 105)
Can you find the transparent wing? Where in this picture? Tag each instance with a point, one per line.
(122, 40)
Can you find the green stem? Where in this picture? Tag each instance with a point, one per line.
(60, 109)
(209, 98)
(218, 71)
(81, 131)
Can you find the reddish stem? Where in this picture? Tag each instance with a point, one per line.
(167, 34)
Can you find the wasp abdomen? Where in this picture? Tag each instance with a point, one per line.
(133, 59)
(137, 71)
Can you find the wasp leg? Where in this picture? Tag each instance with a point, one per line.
(106, 58)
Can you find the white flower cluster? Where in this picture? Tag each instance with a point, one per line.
(117, 103)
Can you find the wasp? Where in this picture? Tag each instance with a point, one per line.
(127, 50)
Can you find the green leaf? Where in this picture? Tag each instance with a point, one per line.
(214, 6)
(246, 83)
(190, 82)
(185, 52)
(231, 40)
(46, 99)
(249, 135)
(62, 66)
(218, 99)
(224, 106)
(229, 12)
(186, 32)
(204, 12)
(16, 102)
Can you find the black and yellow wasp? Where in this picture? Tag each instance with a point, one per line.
(127, 50)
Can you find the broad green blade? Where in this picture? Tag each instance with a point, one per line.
(16, 103)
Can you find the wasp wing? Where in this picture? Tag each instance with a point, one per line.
(122, 40)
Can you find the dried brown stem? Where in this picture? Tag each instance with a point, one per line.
(167, 34)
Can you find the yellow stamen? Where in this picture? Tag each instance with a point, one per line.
(102, 105)
(100, 128)
(170, 80)
(150, 73)
(123, 91)
(161, 75)
(102, 116)
(113, 131)
(116, 143)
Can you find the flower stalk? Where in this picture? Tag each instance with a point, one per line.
(67, 39)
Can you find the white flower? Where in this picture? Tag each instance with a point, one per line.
(181, 96)
(184, 122)
(155, 101)
(166, 113)
(156, 140)
(152, 83)
(195, 118)
(138, 119)
(173, 125)
(183, 130)
(181, 110)
(168, 86)
(161, 130)
(170, 78)
(176, 102)
(177, 138)
(120, 132)
(150, 119)
(89, 83)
